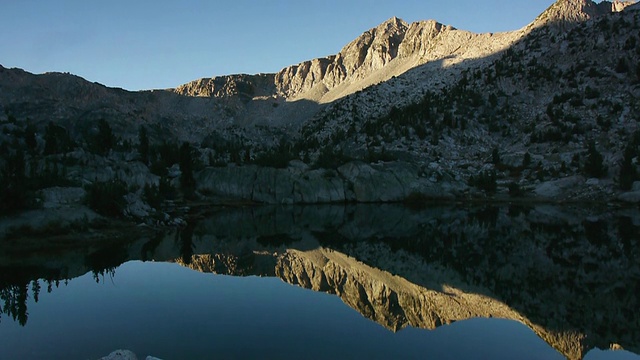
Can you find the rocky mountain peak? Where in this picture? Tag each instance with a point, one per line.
(618, 6)
(572, 11)
(369, 52)
(393, 23)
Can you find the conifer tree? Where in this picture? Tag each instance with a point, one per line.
(628, 172)
(143, 146)
(594, 167)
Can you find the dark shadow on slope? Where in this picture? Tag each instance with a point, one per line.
(439, 113)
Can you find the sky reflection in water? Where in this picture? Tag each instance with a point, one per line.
(569, 275)
(172, 312)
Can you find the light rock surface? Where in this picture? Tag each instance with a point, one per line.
(56, 197)
(354, 181)
(125, 355)
(632, 197)
(120, 355)
(572, 11)
(556, 188)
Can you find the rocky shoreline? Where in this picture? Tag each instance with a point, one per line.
(355, 182)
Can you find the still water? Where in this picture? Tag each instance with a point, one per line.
(351, 282)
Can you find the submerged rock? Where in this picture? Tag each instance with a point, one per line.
(125, 355)
(120, 355)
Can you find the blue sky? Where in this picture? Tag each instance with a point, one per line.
(159, 44)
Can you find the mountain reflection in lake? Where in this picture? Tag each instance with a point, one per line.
(570, 277)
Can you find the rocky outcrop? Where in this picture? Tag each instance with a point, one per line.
(352, 182)
(618, 6)
(422, 37)
(574, 11)
(369, 52)
(56, 197)
(243, 86)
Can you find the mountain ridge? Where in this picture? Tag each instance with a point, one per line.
(455, 105)
(379, 46)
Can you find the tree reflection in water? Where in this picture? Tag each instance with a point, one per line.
(564, 271)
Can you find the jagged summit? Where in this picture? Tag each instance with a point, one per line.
(377, 55)
(394, 21)
(572, 11)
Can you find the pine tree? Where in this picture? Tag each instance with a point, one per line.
(30, 138)
(495, 156)
(628, 172)
(143, 146)
(622, 66)
(527, 160)
(50, 140)
(13, 187)
(104, 140)
(594, 167)
(187, 181)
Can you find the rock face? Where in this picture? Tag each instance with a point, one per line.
(243, 86)
(573, 11)
(618, 6)
(421, 37)
(352, 182)
(58, 196)
(369, 52)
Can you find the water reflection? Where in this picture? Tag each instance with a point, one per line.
(570, 275)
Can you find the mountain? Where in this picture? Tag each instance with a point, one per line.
(419, 110)
(386, 51)
(572, 11)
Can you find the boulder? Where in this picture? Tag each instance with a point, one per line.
(120, 355)
(231, 182)
(557, 188)
(593, 182)
(273, 186)
(135, 207)
(632, 197)
(56, 197)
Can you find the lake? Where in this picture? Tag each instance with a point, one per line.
(357, 281)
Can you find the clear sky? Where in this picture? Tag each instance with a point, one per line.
(145, 44)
